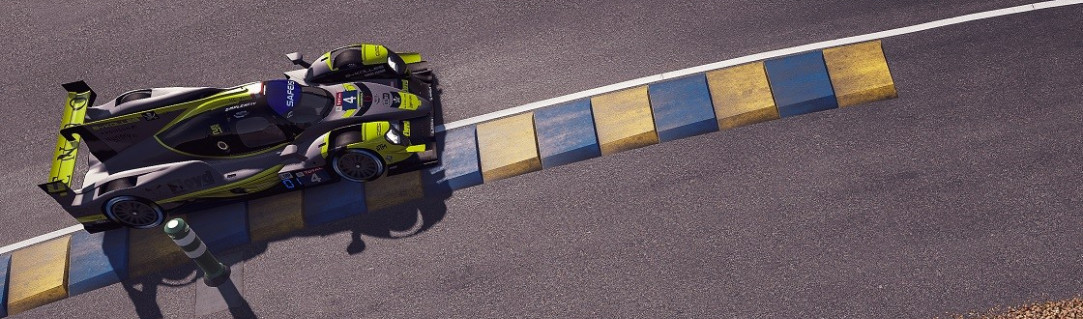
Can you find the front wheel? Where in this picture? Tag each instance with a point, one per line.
(358, 165)
(348, 59)
(134, 212)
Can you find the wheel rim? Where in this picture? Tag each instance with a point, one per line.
(358, 165)
(133, 212)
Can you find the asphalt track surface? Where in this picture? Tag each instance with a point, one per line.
(959, 196)
(491, 55)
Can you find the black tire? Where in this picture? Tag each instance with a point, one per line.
(134, 212)
(358, 165)
(132, 96)
(421, 130)
(346, 138)
(420, 68)
(422, 72)
(120, 183)
(347, 59)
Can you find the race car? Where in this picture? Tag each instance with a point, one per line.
(361, 112)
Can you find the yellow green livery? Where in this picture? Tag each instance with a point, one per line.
(365, 113)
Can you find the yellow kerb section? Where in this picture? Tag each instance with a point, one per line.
(623, 120)
(389, 191)
(741, 95)
(275, 216)
(859, 73)
(151, 251)
(39, 275)
(507, 147)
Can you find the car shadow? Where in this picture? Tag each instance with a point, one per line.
(403, 220)
(143, 291)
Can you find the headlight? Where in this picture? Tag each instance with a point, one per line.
(394, 137)
(394, 66)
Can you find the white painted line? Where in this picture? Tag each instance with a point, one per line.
(757, 57)
(40, 239)
(679, 73)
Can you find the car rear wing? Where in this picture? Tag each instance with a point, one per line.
(80, 96)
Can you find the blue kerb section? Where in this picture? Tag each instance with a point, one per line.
(335, 201)
(97, 260)
(566, 133)
(221, 227)
(5, 262)
(459, 166)
(800, 84)
(682, 107)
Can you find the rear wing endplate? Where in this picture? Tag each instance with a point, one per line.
(80, 96)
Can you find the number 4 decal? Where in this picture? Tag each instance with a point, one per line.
(347, 99)
(316, 178)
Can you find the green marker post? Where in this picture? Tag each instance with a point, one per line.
(215, 273)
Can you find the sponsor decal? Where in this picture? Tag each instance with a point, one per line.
(239, 106)
(291, 96)
(384, 98)
(150, 116)
(216, 129)
(407, 101)
(338, 99)
(190, 184)
(307, 177)
(367, 72)
(282, 95)
(78, 102)
(182, 185)
(114, 124)
(67, 154)
(120, 137)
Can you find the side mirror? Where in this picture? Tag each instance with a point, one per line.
(298, 59)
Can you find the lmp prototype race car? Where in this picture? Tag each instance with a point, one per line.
(357, 113)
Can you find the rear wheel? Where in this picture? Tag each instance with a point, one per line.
(120, 183)
(134, 212)
(423, 73)
(132, 96)
(358, 165)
